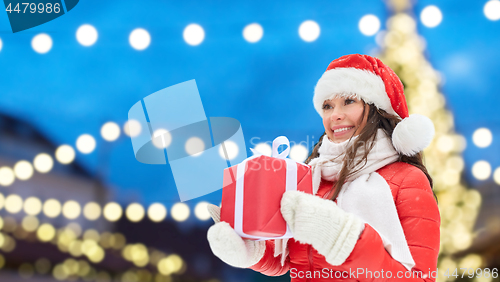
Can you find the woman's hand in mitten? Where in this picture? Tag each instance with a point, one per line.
(321, 223)
(227, 245)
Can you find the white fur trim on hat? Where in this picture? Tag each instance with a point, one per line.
(349, 82)
(412, 134)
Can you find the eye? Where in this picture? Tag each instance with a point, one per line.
(326, 106)
(349, 101)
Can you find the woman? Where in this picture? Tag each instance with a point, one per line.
(374, 214)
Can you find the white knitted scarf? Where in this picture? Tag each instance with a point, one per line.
(331, 157)
(328, 165)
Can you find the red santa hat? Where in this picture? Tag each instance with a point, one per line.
(367, 78)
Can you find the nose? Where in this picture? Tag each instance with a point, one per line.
(337, 114)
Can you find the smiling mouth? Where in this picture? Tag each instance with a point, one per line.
(343, 129)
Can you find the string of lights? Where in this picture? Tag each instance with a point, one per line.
(92, 245)
(92, 211)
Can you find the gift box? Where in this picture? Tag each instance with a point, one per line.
(252, 192)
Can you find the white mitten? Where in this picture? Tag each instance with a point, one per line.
(227, 245)
(321, 223)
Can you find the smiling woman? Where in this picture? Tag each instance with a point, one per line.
(369, 156)
(343, 117)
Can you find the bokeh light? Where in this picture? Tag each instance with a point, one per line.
(298, 153)
(455, 163)
(13, 203)
(138, 254)
(481, 170)
(309, 31)
(71, 209)
(86, 35)
(157, 212)
(65, 154)
(232, 150)
(9, 244)
(193, 34)
(460, 143)
(92, 211)
(7, 176)
(139, 39)
(23, 170)
(445, 143)
(470, 261)
(85, 270)
(135, 212)
(91, 234)
(132, 128)
(482, 137)
(110, 131)
(180, 212)
(431, 16)
(85, 143)
(52, 208)
(9, 224)
(161, 138)
(75, 248)
(2, 204)
(46, 232)
(496, 175)
(95, 254)
(194, 146)
(264, 149)
(112, 211)
(30, 223)
(253, 32)
(59, 273)
(32, 206)
(74, 228)
(41, 43)
(118, 241)
(369, 25)
(492, 10)
(171, 264)
(201, 211)
(43, 163)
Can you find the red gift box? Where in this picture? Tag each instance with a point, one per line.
(259, 183)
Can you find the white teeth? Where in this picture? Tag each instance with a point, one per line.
(342, 129)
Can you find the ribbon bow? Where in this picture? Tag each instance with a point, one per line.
(277, 142)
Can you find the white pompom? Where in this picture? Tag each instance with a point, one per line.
(413, 134)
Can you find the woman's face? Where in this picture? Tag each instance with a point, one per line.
(342, 118)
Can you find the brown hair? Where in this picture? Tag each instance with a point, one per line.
(376, 119)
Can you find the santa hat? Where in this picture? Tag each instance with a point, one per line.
(367, 78)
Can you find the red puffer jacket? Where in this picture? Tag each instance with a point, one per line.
(369, 261)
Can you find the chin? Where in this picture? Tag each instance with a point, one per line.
(339, 140)
(336, 140)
